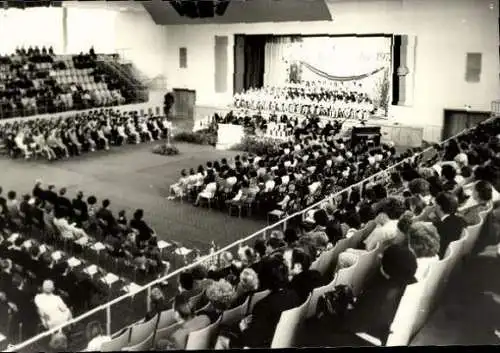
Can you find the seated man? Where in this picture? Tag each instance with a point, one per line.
(449, 225)
(51, 308)
(188, 322)
(386, 232)
(374, 311)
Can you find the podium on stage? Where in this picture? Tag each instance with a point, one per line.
(229, 136)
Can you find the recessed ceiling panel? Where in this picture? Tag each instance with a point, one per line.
(246, 11)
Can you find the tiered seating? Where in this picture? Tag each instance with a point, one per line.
(37, 82)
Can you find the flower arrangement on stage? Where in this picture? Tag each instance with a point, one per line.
(166, 149)
(201, 137)
(258, 145)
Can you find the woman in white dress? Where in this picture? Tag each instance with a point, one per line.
(19, 140)
(178, 189)
(51, 308)
(132, 131)
(42, 146)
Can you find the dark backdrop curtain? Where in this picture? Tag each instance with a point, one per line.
(254, 61)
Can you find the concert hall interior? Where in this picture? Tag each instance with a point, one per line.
(230, 174)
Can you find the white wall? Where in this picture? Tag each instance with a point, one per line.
(129, 31)
(140, 40)
(445, 29)
(30, 27)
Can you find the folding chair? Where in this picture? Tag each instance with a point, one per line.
(117, 343)
(285, 335)
(140, 332)
(204, 338)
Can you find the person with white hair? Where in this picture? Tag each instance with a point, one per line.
(51, 308)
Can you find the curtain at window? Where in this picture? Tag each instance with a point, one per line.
(277, 61)
(31, 27)
(254, 61)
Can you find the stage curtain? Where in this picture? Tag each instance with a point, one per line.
(254, 61)
(276, 61)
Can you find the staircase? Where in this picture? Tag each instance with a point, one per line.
(135, 88)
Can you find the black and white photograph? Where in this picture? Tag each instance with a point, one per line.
(249, 174)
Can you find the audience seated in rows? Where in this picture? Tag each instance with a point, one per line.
(290, 177)
(410, 216)
(73, 135)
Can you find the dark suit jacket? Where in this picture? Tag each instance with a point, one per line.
(375, 310)
(265, 317)
(305, 282)
(449, 229)
(51, 197)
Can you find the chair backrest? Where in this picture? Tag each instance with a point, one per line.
(471, 236)
(204, 338)
(165, 332)
(140, 332)
(316, 294)
(116, 343)
(234, 315)
(419, 300)
(167, 318)
(456, 249)
(327, 260)
(257, 297)
(145, 345)
(289, 325)
(356, 275)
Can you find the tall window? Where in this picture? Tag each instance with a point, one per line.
(183, 58)
(473, 68)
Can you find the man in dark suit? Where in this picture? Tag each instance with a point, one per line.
(80, 209)
(63, 203)
(304, 279)
(449, 225)
(38, 192)
(105, 217)
(267, 312)
(51, 196)
(374, 311)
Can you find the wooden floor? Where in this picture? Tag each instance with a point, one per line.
(133, 177)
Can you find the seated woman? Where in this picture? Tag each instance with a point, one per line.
(95, 336)
(187, 322)
(102, 137)
(67, 230)
(178, 189)
(209, 190)
(480, 200)
(132, 132)
(144, 131)
(247, 286)
(423, 240)
(20, 143)
(42, 146)
(51, 308)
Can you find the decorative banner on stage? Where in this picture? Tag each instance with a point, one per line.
(339, 78)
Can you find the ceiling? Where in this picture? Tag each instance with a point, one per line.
(246, 11)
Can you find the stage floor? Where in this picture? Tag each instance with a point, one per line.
(133, 177)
